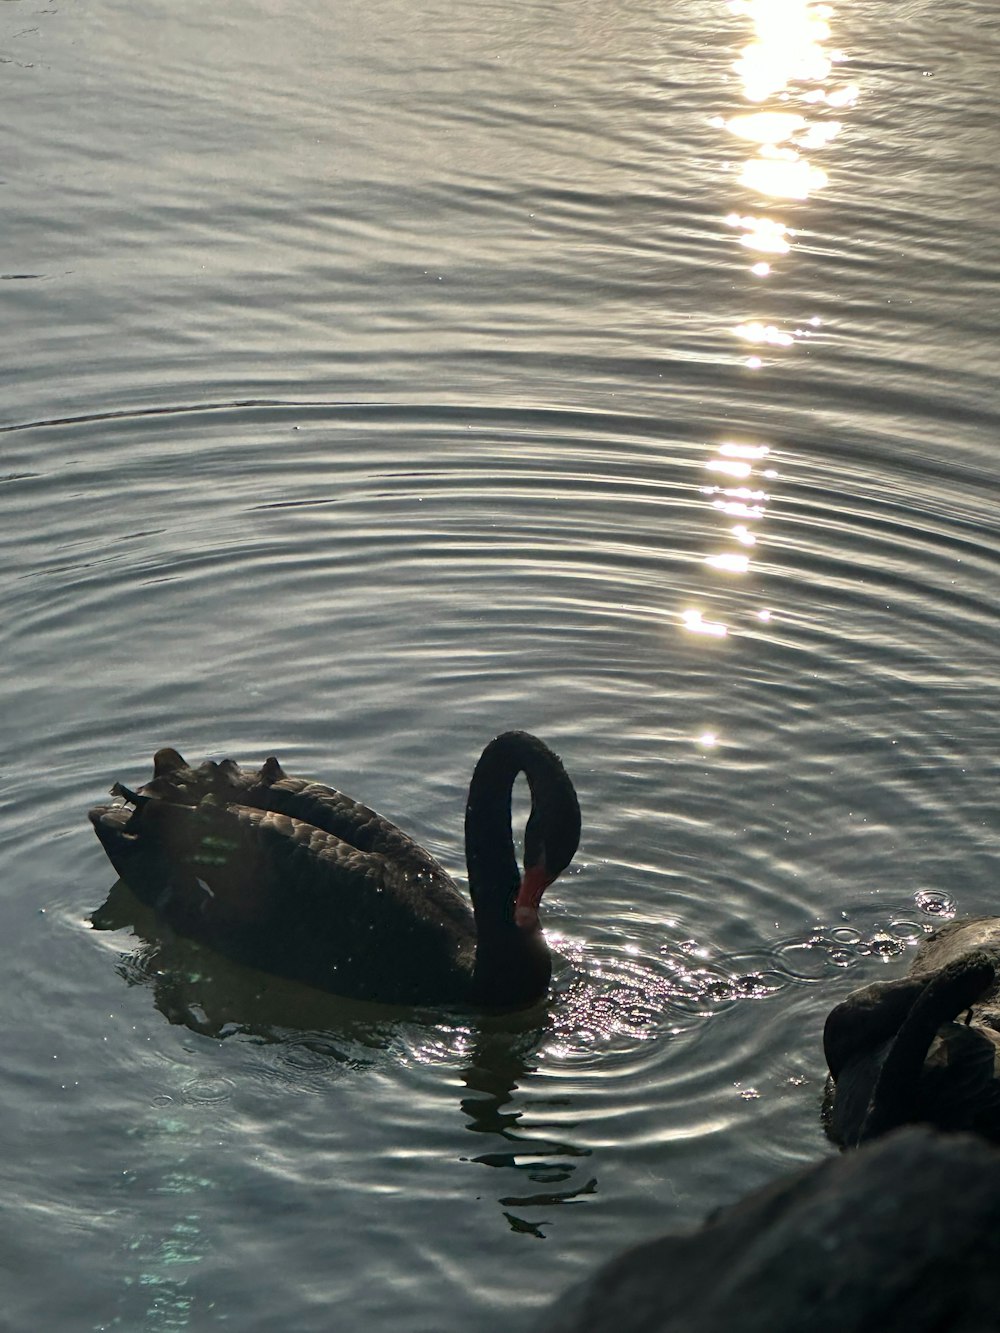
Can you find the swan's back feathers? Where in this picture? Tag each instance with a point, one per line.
(284, 895)
(271, 788)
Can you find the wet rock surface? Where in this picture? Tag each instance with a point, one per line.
(902, 1236)
(922, 1049)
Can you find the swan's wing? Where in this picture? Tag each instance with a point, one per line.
(270, 788)
(347, 819)
(182, 783)
(292, 898)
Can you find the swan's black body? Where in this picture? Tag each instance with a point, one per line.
(298, 879)
(925, 1049)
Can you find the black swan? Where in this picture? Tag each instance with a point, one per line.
(295, 878)
(898, 1052)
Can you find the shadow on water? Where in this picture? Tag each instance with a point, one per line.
(208, 993)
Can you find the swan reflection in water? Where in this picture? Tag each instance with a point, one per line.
(215, 997)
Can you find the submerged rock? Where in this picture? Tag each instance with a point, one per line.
(902, 1236)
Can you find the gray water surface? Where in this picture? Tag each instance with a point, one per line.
(376, 379)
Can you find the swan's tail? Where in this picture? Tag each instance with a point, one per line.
(947, 993)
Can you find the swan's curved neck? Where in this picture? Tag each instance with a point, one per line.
(489, 842)
(512, 958)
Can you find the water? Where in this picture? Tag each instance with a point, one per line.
(378, 379)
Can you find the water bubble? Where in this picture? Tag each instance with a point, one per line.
(306, 1056)
(208, 1091)
(693, 949)
(717, 991)
(906, 931)
(882, 945)
(803, 959)
(756, 985)
(935, 902)
(845, 935)
(842, 958)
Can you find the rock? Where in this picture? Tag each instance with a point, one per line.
(924, 1049)
(902, 1236)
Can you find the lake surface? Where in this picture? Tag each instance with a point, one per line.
(377, 378)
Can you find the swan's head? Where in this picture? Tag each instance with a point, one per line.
(146, 838)
(551, 835)
(111, 826)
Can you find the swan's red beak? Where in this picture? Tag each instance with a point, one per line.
(534, 882)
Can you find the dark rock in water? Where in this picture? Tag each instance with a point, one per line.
(923, 1049)
(900, 1237)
